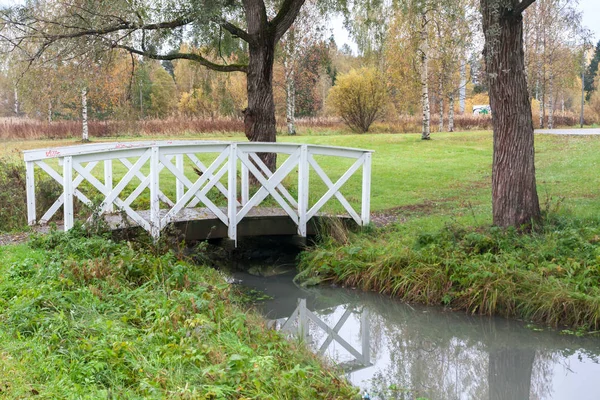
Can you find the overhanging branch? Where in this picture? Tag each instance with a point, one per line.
(234, 30)
(185, 56)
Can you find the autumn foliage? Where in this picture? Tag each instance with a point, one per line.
(359, 97)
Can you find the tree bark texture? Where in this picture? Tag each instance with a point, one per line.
(514, 195)
(424, 50)
(259, 116)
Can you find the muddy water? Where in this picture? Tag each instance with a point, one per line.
(392, 350)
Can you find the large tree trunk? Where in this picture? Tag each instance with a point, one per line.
(424, 50)
(514, 194)
(259, 117)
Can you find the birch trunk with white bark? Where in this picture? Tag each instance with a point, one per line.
(16, 103)
(290, 95)
(441, 103)
(84, 116)
(551, 101)
(451, 112)
(462, 91)
(424, 50)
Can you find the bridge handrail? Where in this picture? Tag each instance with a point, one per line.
(75, 150)
(78, 162)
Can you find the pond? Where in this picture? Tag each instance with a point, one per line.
(393, 350)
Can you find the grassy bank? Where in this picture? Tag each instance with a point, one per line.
(76, 323)
(550, 276)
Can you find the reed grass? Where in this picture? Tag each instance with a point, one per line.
(550, 276)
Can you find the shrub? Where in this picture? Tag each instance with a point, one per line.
(359, 97)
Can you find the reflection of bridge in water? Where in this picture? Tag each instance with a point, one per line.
(157, 184)
(416, 351)
(303, 321)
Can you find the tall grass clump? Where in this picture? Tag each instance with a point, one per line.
(13, 201)
(551, 276)
(86, 317)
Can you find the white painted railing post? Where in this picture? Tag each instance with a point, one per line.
(232, 193)
(30, 177)
(245, 182)
(366, 190)
(180, 166)
(68, 192)
(154, 198)
(303, 183)
(108, 182)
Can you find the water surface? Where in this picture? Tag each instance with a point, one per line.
(426, 352)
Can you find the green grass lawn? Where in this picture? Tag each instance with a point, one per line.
(87, 318)
(447, 178)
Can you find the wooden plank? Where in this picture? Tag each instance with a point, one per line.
(366, 191)
(30, 191)
(334, 188)
(268, 174)
(303, 187)
(68, 192)
(232, 193)
(268, 185)
(155, 227)
(108, 182)
(197, 185)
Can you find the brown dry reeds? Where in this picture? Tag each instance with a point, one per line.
(32, 129)
(22, 128)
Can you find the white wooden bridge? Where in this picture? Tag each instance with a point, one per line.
(165, 182)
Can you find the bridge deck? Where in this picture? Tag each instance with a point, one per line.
(200, 223)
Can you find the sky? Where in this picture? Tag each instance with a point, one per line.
(589, 8)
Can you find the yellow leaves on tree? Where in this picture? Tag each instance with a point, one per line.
(359, 97)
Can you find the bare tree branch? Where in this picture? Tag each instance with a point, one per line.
(234, 30)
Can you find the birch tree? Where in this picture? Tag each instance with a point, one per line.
(306, 32)
(551, 29)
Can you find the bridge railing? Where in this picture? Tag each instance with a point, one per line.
(150, 162)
